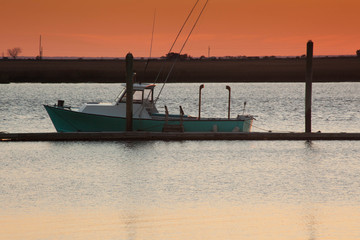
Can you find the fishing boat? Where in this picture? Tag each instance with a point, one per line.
(111, 117)
(137, 111)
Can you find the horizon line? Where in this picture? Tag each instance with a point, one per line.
(159, 58)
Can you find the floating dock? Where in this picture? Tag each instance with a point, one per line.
(175, 136)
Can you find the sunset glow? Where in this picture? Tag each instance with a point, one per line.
(111, 28)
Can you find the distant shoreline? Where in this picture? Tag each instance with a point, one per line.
(326, 69)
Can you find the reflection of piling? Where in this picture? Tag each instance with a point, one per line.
(129, 91)
(308, 91)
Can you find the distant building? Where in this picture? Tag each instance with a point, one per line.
(173, 55)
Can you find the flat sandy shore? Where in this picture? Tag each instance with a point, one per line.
(345, 69)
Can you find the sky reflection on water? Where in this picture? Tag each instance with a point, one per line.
(180, 190)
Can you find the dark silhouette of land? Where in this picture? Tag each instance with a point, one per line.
(270, 69)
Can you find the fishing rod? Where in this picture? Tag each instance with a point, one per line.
(182, 48)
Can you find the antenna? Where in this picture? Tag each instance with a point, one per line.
(40, 49)
(152, 34)
(209, 52)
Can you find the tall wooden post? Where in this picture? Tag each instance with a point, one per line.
(129, 91)
(308, 91)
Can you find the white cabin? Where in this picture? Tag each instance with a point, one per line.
(143, 103)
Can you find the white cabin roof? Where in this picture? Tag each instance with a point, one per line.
(141, 86)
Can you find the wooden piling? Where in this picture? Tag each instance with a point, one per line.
(129, 91)
(308, 91)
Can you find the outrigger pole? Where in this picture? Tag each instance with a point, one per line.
(182, 27)
(182, 48)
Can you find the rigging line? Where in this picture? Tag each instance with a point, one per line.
(182, 48)
(180, 31)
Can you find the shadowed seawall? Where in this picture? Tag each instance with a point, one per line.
(339, 69)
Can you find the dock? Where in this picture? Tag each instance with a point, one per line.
(176, 136)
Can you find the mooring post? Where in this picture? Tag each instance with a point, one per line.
(129, 91)
(200, 88)
(308, 91)
(229, 88)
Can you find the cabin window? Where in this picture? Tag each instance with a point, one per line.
(148, 95)
(137, 97)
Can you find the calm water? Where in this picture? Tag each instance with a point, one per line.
(188, 189)
(279, 106)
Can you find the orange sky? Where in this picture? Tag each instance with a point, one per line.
(111, 28)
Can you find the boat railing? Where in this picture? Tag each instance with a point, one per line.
(173, 127)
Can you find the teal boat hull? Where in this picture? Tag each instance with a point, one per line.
(66, 120)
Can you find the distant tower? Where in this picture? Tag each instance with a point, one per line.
(40, 50)
(209, 52)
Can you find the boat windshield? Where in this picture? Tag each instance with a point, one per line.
(148, 95)
(138, 96)
(120, 95)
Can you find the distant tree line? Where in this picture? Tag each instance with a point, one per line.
(173, 56)
(186, 57)
(14, 52)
